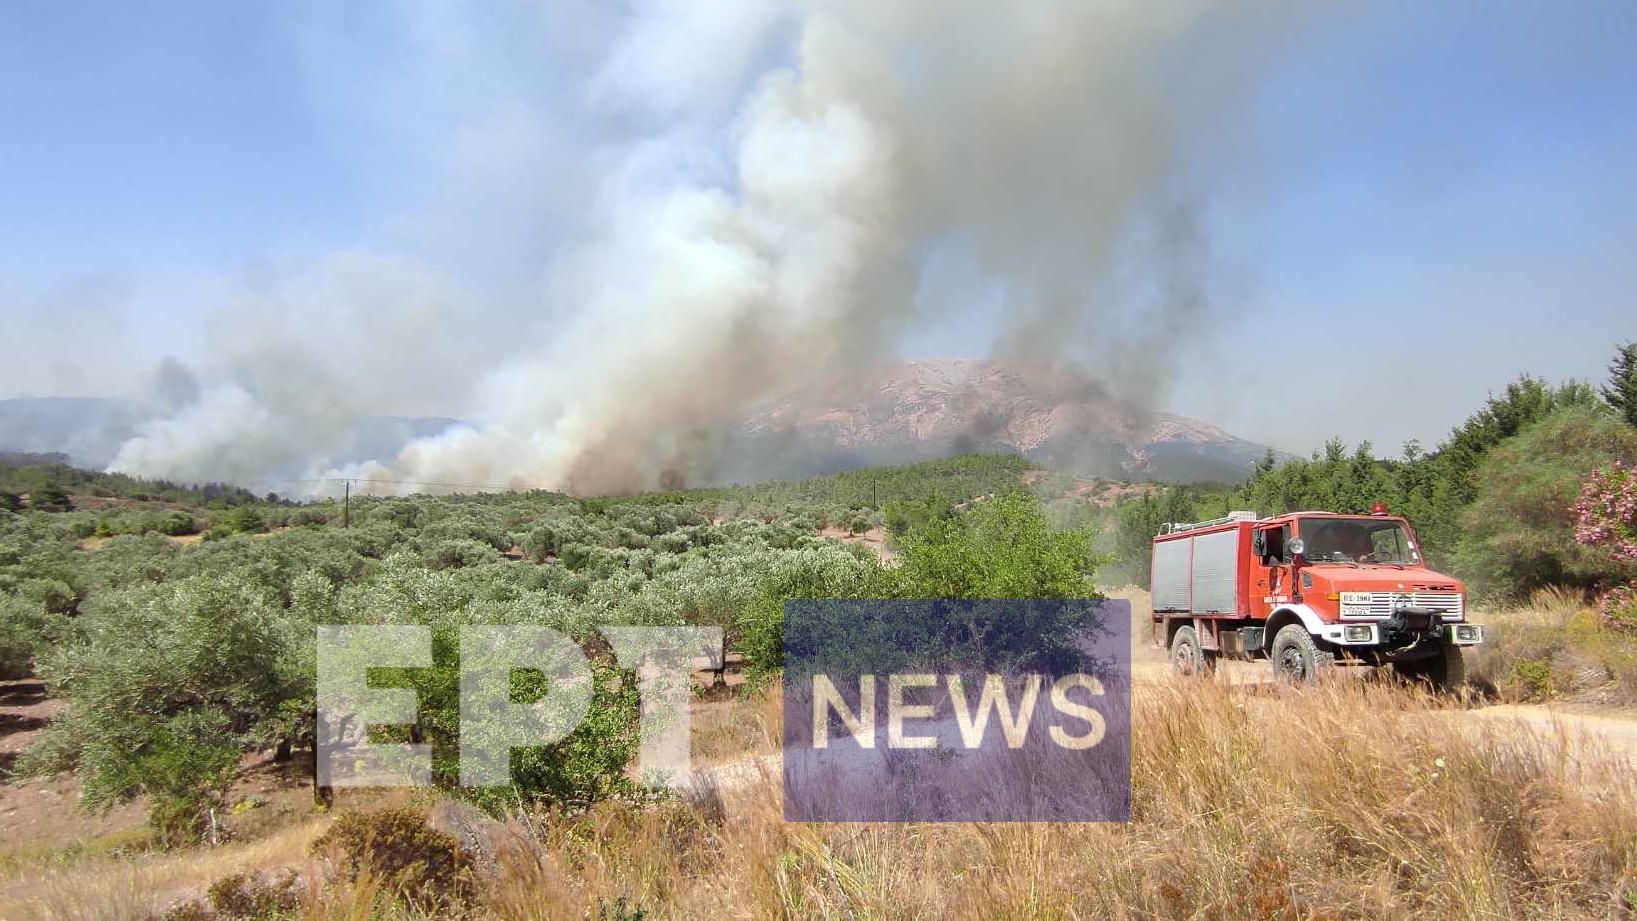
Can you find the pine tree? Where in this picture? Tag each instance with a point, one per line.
(1621, 393)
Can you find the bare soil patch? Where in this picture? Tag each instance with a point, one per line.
(875, 539)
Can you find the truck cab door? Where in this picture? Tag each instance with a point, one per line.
(1270, 576)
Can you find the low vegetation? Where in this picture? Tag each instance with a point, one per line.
(178, 660)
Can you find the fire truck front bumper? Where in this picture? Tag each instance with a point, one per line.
(1393, 636)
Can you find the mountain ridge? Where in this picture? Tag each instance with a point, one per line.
(1062, 417)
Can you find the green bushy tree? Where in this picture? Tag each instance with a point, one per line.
(1519, 532)
(1001, 548)
(902, 516)
(168, 685)
(246, 519)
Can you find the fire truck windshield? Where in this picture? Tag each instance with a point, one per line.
(1357, 540)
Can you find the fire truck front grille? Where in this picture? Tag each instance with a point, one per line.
(1448, 604)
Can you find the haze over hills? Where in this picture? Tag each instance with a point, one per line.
(900, 413)
(90, 430)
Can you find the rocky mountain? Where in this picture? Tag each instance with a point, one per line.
(920, 410)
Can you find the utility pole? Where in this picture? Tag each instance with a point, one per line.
(875, 501)
(346, 504)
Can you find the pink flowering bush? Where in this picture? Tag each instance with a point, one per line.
(1619, 609)
(1606, 515)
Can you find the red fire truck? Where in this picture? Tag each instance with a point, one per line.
(1307, 591)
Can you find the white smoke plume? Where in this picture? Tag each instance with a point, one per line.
(741, 195)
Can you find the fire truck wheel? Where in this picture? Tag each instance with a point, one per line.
(1444, 672)
(1187, 658)
(1296, 657)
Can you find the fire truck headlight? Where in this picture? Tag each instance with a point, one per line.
(1468, 633)
(1360, 634)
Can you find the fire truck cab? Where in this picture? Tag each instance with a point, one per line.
(1308, 591)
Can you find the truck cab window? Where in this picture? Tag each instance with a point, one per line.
(1273, 546)
(1356, 540)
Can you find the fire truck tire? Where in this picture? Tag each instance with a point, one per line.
(1187, 658)
(1296, 656)
(1444, 672)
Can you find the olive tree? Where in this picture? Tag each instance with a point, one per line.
(169, 685)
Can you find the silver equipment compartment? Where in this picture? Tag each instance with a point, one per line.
(1197, 573)
(1169, 583)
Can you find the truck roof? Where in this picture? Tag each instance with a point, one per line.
(1240, 519)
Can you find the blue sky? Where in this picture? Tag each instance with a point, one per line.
(1421, 201)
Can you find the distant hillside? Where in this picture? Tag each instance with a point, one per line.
(921, 410)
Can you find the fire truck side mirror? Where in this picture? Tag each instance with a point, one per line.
(1296, 547)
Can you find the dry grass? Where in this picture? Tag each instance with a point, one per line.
(1346, 801)
(1555, 647)
(109, 887)
(1350, 800)
(95, 543)
(723, 730)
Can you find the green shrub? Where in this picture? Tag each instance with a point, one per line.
(463, 528)
(49, 497)
(454, 554)
(21, 627)
(576, 556)
(175, 524)
(246, 519)
(1533, 679)
(587, 766)
(541, 543)
(53, 596)
(308, 518)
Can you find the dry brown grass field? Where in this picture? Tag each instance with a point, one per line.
(1353, 799)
